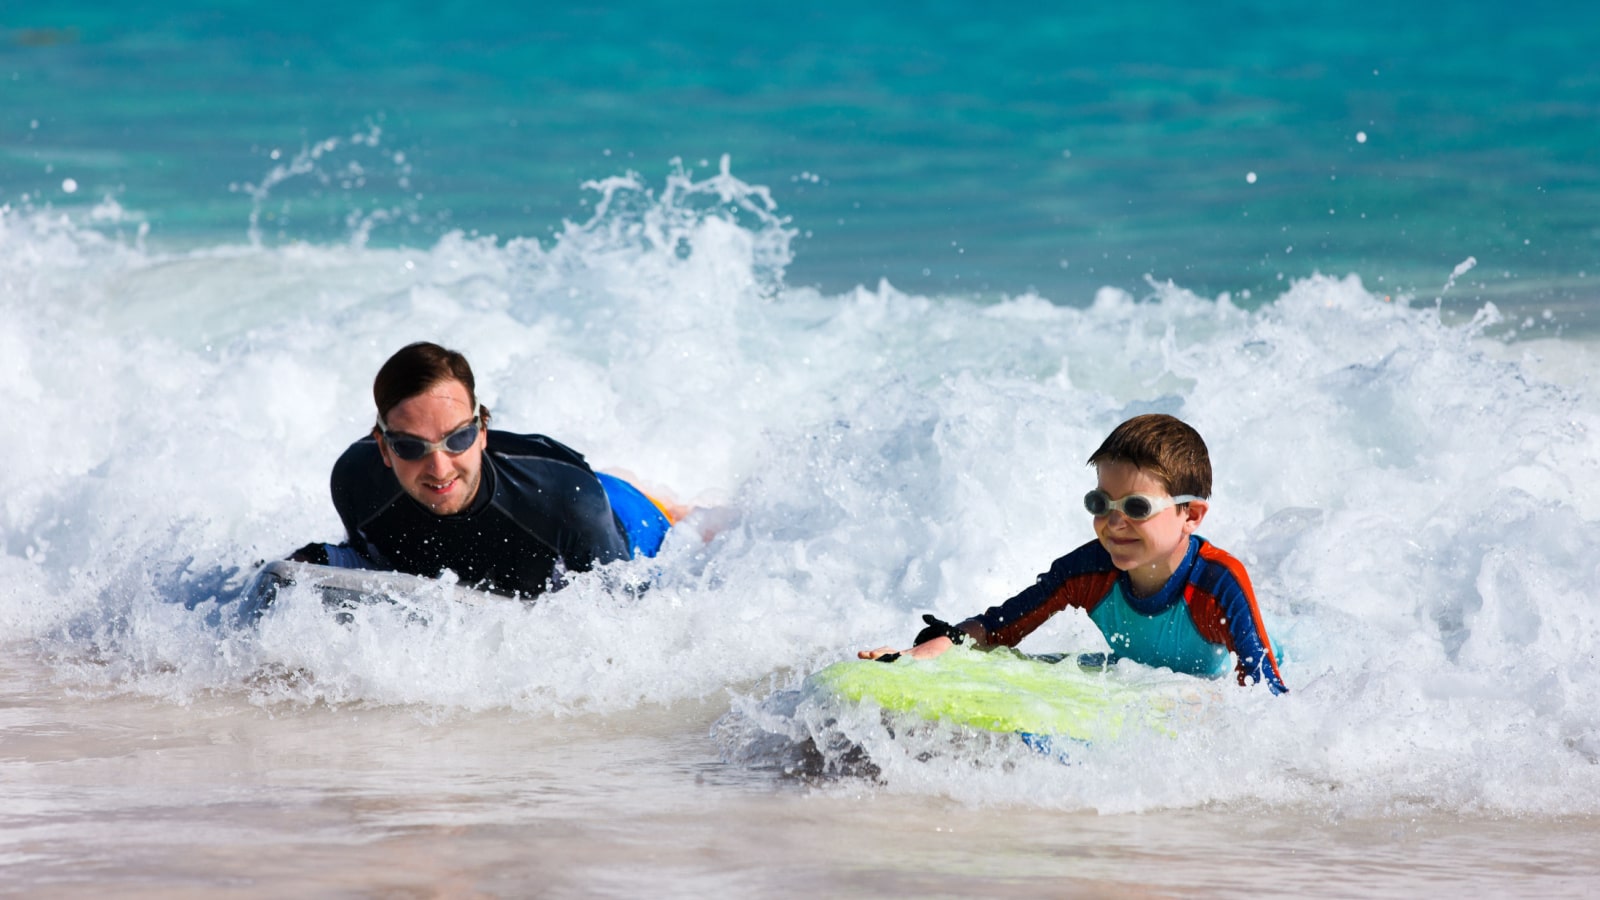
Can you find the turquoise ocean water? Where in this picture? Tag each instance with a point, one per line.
(864, 284)
(943, 146)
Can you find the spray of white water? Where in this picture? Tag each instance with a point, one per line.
(1414, 499)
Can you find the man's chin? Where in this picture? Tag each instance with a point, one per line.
(442, 503)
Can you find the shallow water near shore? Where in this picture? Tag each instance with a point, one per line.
(229, 799)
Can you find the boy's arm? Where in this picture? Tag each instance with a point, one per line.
(1235, 613)
(1082, 578)
(928, 649)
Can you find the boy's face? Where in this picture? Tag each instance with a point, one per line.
(1151, 550)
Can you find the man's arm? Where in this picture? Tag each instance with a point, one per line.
(360, 486)
(341, 485)
(342, 556)
(589, 535)
(553, 494)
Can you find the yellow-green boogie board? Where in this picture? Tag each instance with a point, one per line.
(1004, 691)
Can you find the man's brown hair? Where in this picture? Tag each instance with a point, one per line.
(1164, 446)
(414, 369)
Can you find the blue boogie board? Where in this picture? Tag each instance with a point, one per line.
(643, 521)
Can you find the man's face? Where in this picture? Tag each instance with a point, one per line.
(443, 482)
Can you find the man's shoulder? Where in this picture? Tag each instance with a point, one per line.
(535, 473)
(361, 483)
(360, 451)
(509, 446)
(547, 488)
(360, 463)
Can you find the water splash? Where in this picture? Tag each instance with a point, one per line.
(1411, 496)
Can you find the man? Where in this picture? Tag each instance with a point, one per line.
(432, 489)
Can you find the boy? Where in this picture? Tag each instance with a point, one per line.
(1161, 594)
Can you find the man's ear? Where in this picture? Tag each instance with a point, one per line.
(1194, 512)
(383, 448)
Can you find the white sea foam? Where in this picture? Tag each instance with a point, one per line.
(1416, 500)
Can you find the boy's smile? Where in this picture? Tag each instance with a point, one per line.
(1151, 550)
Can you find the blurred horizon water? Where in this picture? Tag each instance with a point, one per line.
(1227, 148)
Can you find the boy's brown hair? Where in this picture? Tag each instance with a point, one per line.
(1164, 446)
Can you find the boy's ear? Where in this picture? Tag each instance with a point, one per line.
(1194, 512)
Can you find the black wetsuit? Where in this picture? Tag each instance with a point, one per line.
(539, 511)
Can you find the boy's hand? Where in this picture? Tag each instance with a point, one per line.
(924, 650)
(932, 641)
(880, 651)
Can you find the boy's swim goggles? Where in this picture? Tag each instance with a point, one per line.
(411, 448)
(1136, 507)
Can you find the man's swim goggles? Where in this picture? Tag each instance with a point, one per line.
(411, 448)
(1136, 507)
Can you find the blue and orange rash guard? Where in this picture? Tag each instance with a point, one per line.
(1205, 611)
